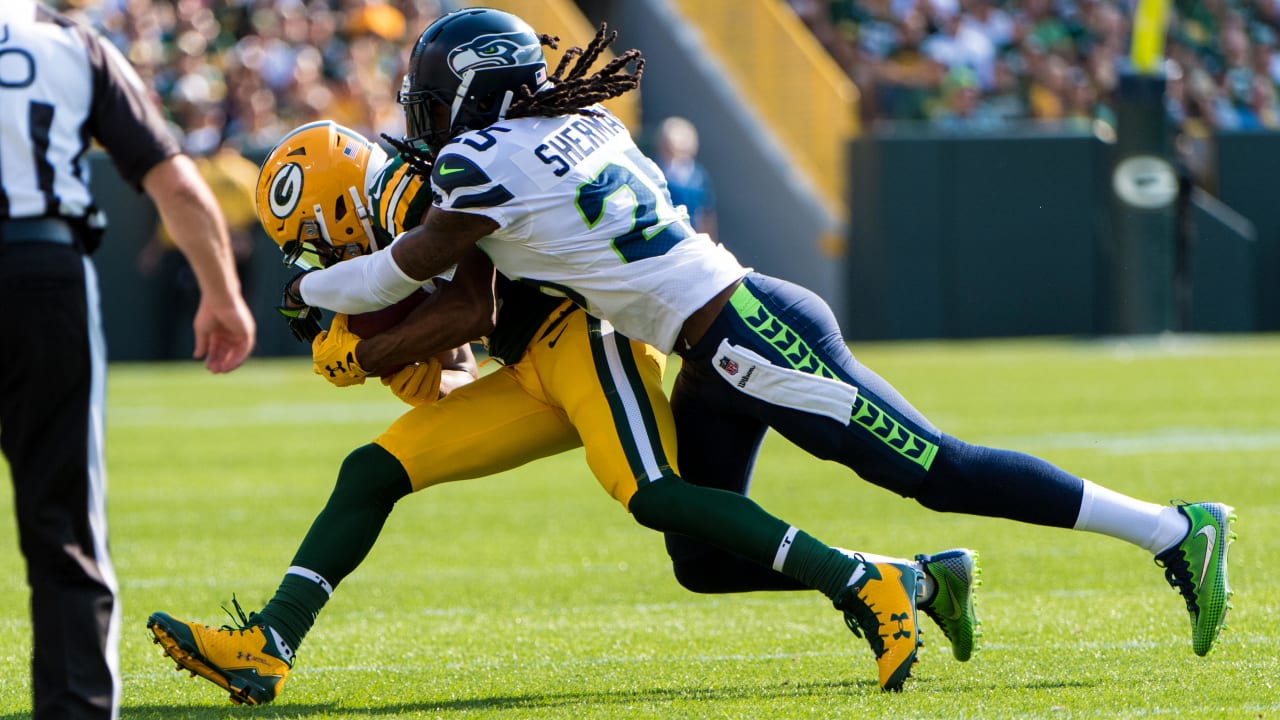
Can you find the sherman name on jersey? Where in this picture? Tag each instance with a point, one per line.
(575, 192)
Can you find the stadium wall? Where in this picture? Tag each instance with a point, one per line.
(1247, 163)
(978, 236)
(950, 237)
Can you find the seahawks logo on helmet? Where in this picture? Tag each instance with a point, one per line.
(286, 190)
(495, 51)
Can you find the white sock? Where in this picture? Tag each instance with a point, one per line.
(1147, 525)
(924, 591)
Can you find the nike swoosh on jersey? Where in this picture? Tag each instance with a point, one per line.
(449, 171)
(1210, 534)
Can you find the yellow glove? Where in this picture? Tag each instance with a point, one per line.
(333, 354)
(417, 384)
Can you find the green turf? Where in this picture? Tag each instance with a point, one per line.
(532, 594)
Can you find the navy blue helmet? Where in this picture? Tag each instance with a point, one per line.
(465, 70)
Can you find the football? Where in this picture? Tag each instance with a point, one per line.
(366, 325)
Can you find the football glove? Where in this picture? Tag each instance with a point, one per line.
(417, 384)
(333, 354)
(303, 320)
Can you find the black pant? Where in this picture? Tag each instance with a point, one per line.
(52, 366)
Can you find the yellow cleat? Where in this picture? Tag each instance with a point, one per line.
(880, 605)
(250, 662)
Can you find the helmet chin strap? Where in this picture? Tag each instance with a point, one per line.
(324, 227)
(362, 212)
(507, 97)
(459, 95)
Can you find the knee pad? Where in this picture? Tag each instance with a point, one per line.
(370, 473)
(661, 505)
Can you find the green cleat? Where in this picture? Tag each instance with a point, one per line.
(956, 574)
(250, 661)
(880, 605)
(1197, 568)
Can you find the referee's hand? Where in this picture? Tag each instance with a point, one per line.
(225, 334)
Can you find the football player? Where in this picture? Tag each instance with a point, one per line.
(313, 204)
(313, 201)
(551, 186)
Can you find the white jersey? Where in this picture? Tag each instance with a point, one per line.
(583, 213)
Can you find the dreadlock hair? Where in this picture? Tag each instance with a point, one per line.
(417, 161)
(574, 93)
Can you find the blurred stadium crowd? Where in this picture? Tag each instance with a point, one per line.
(234, 76)
(244, 72)
(979, 64)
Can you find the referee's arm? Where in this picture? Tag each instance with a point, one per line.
(224, 327)
(130, 127)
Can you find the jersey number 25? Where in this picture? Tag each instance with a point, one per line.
(656, 226)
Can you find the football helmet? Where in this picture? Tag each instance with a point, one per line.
(312, 194)
(465, 70)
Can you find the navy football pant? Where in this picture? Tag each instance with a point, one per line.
(885, 440)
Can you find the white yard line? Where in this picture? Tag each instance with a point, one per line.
(1160, 440)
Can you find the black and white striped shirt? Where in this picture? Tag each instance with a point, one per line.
(61, 86)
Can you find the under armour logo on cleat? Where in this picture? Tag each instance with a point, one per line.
(902, 631)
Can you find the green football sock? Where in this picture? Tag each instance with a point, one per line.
(293, 609)
(817, 565)
(369, 484)
(736, 523)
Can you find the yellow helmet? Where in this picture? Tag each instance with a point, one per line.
(312, 194)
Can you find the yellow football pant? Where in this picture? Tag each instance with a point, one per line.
(579, 383)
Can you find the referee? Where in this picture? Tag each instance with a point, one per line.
(62, 85)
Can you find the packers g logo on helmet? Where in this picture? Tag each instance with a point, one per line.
(312, 194)
(286, 190)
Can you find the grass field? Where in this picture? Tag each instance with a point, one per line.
(533, 595)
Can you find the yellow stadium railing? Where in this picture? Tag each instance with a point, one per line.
(790, 81)
(563, 19)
